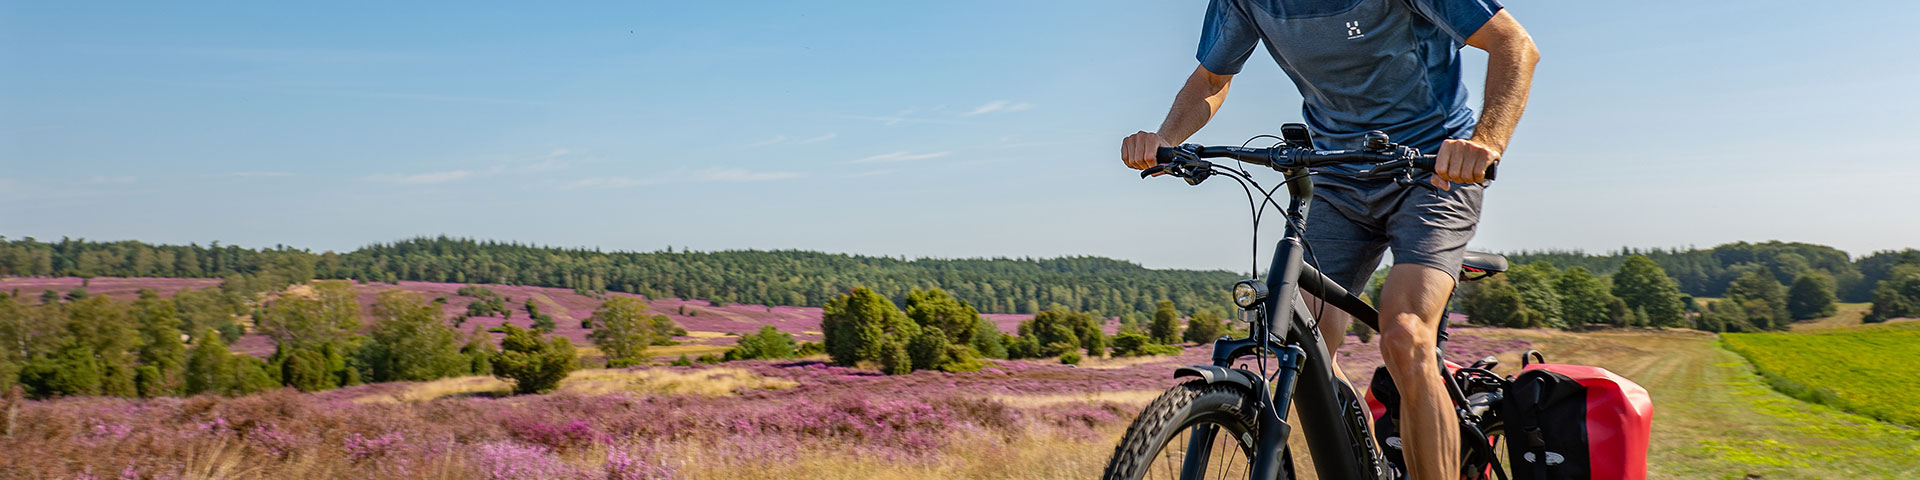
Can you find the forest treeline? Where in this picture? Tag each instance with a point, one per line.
(790, 277)
(783, 277)
(1709, 272)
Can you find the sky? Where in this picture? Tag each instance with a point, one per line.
(918, 129)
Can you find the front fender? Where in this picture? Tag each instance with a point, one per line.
(1216, 374)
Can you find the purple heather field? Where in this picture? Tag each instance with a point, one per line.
(351, 432)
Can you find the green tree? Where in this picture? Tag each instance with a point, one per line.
(306, 370)
(894, 359)
(1205, 326)
(768, 343)
(1757, 284)
(1811, 297)
(928, 350)
(622, 331)
(410, 342)
(479, 351)
(935, 308)
(1898, 296)
(861, 324)
(535, 364)
(1165, 327)
(1642, 284)
(1584, 298)
(987, 339)
(1058, 330)
(1495, 301)
(330, 315)
(70, 370)
(160, 345)
(1135, 344)
(1536, 282)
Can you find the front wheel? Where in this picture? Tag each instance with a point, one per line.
(1194, 430)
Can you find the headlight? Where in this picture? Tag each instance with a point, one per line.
(1248, 293)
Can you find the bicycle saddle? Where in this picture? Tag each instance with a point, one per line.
(1478, 265)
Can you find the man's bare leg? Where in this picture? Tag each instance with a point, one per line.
(1410, 308)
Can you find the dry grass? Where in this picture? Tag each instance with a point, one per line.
(1129, 397)
(1117, 363)
(218, 461)
(969, 455)
(703, 334)
(1845, 315)
(711, 382)
(688, 349)
(445, 387)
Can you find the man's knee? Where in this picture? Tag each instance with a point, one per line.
(1406, 344)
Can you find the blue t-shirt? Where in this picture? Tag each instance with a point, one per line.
(1361, 65)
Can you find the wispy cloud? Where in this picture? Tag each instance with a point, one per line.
(777, 139)
(612, 182)
(260, 174)
(872, 173)
(115, 180)
(709, 175)
(999, 106)
(903, 117)
(742, 175)
(419, 178)
(822, 138)
(901, 156)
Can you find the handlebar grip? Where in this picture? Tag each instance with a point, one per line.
(1426, 163)
(1166, 155)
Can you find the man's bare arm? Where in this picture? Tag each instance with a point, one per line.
(1511, 56)
(1196, 103)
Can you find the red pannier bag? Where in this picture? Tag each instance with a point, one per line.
(1576, 422)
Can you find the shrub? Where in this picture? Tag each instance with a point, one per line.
(1811, 296)
(894, 360)
(928, 350)
(1070, 358)
(708, 359)
(534, 364)
(1165, 327)
(683, 361)
(861, 326)
(1205, 326)
(624, 331)
(768, 343)
(410, 342)
(811, 348)
(1135, 344)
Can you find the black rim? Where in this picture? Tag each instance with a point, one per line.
(1229, 458)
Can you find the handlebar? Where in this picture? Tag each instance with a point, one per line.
(1386, 161)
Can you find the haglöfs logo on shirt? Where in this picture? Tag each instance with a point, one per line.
(1353, 30)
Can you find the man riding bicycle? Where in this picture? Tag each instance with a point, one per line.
(1391, 66)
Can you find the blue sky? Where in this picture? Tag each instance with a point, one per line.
(948, 129)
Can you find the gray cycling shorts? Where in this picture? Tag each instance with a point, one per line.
(1352, 223)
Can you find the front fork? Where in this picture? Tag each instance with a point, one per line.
(1273, 430)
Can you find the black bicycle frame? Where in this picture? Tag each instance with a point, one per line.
(1331, 414)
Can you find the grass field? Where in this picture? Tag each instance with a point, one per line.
(1715, 418)
(1868, 370)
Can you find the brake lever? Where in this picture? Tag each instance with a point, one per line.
(1153, 170)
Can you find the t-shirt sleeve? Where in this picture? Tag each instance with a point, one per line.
(1459, 18)
(1227, 39)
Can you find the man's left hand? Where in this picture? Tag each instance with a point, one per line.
(1463, 161)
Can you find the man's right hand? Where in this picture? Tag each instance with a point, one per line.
(1138, 150)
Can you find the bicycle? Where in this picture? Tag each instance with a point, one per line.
(1221, 405)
